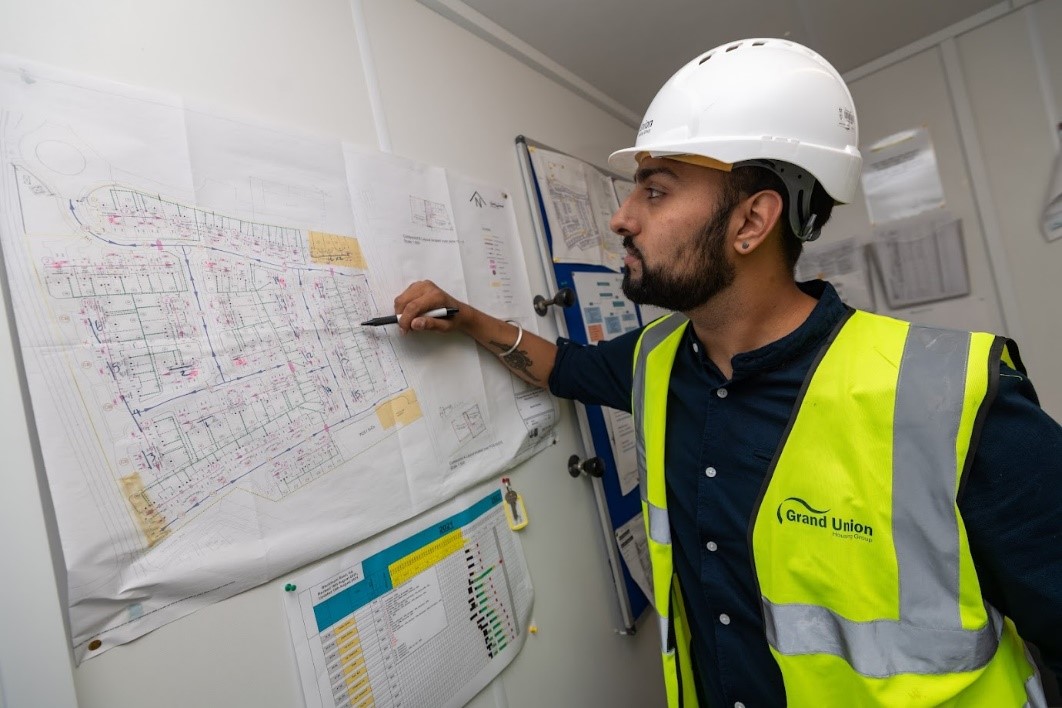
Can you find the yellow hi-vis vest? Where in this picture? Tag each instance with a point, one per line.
(868, 589)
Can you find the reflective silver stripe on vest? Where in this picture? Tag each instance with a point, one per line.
(650, 339)
(928, 637)
(664, 625)
(881, 648)
(1034, 688)
(659, 524)
(929, 402)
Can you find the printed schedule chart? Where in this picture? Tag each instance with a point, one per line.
(428, 614)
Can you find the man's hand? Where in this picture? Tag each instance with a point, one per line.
(423, 296)
(525, 354)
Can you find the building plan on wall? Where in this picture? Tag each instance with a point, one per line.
(424, 615)
(624, 189)
(187, 291)
(581, 201)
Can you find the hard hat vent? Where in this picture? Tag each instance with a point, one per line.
(737, 45)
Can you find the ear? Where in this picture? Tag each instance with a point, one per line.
(758, 218)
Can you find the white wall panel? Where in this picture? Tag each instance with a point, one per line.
(1014, 132)
(909, 94)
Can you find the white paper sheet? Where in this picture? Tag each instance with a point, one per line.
(634, 548)
(921, 259)
(493, 263)
(426, 614)
(622, 436)
(188, 290)
(900, 177)
(579, 201)
(843, 264)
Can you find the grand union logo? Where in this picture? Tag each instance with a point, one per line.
(797, 511)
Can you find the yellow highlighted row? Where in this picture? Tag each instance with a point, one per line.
(416, 563)
(346, 636)
(350, 667)
(357, 676)
(361, 693)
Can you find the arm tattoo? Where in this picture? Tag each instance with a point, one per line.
(519, 361)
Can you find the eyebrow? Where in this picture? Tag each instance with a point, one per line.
(647, 172)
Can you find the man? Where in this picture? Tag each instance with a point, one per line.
(843, 509)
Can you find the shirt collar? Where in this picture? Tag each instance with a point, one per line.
(807, 337)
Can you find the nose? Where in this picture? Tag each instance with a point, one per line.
(623, 221)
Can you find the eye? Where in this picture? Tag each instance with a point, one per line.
(653, 193)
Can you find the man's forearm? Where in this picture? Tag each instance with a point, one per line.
(527, 355)
(531, 359)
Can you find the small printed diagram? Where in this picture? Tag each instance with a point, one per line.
(433, 215)
(575, 213)
(216, 353)
(600, 326)
(466, 420)
(537, 411)
(605, 323)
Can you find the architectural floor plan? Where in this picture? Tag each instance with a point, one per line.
(187, 294)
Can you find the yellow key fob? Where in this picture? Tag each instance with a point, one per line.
(515, 512)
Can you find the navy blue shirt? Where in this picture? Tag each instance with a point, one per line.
(721, 437)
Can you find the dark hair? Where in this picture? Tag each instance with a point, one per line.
(746, 181)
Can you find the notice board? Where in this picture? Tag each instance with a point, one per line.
(571, 203)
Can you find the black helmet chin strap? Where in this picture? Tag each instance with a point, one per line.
(800, 184)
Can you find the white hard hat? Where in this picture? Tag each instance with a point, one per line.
(756, 99)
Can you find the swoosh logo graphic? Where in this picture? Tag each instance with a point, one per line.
(800, 501)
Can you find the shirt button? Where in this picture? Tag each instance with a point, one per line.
(696, 348)
(724, 618)
(711, 546)
(710, 472)
(722, 393)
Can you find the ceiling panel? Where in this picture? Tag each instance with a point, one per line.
(628, 48)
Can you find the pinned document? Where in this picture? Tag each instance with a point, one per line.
(579, 201)
(427, 613)
(900, 177)
(921, 259)
(843, 264)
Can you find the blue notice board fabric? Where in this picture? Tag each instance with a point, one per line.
(621, 509)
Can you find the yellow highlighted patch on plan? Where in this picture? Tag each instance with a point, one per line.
(403, 409)
(333, 249)
(152, 524)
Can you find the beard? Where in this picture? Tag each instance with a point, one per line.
(702, 271)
